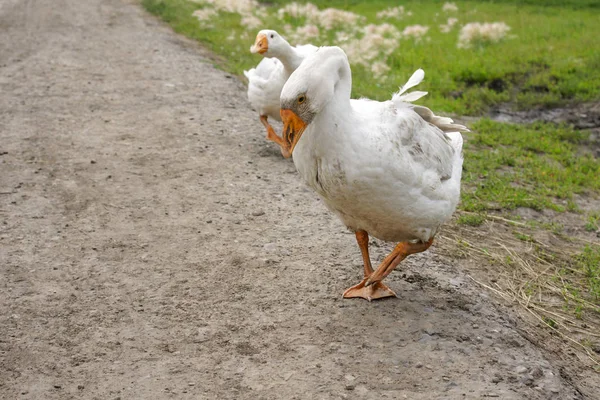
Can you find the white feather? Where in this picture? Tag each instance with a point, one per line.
(412, 96)
(416, 78)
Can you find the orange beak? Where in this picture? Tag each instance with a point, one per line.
(293, 127)
(261, 45)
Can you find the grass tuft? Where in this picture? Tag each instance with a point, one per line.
(471, 219)
(593, 222)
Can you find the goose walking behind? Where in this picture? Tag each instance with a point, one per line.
(267, 79)
(388, 169)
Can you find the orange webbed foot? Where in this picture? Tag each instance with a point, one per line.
(372, 292)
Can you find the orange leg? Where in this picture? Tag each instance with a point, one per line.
(400, 252)
(374, 291)
(272, 136)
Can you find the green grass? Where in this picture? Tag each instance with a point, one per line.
(593, 222)
(550, 59)
(581, 282)
(589, 263)
(536, 166)
(471, 219)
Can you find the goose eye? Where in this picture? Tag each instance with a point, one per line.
(272, 36)
(301, 99)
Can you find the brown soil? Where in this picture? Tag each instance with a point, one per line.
(154, 246)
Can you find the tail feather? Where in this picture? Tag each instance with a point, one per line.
(416, 78)
(410, 97)
(444, 123)
(401, 100)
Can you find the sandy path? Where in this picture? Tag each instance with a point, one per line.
(153, 246)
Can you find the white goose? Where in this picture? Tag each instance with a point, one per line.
(267, 79)
(389, 169)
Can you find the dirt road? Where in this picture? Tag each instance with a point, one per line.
(154, 246)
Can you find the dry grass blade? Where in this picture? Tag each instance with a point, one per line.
(533, 273)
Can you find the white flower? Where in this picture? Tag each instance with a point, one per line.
(483, 32)
(341, 36)
(377, 41)
(245, 8)
(242, 7)
(328, 18)
(415, 31)
(251, 21)
(302, 34)
(449, 7)
(448, 26)
(331, 17)
(384, 29)
(379, 68)
(287, 28)
(308, 31)
(395, 12)
(204, 14)
(295, 10)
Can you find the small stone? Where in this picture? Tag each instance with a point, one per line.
(258, 213)
(80, 387)
(451, 385)
(349, 378)
(527, 380)
(270, 247)
(521, 369)
(430, 330)
(57, 386)
(349, 387)
(475, 326)
(287, 376)
(418, 365)
(424, 338)
(515, 343)
(463, 338)
(497, 379)
(537, 372)
(92, 161)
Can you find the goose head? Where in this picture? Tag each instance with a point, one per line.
(322, 77)
(269, 43)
